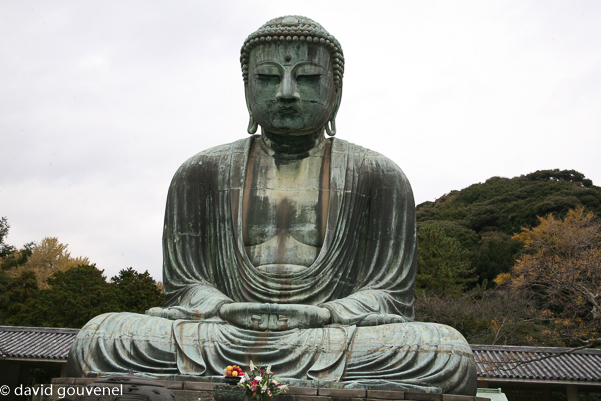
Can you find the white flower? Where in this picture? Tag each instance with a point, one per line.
(268, 369)
(284, 387)
(258, 378)
(275, 382)
(252, 367)
(243, 379)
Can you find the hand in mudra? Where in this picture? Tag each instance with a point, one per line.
(274, 317)
(175, 313)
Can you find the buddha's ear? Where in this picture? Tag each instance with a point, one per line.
(337, 104)
(252, 124)
(246, 97)
(331, 123)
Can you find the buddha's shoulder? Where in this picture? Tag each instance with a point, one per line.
(215, 156)
(363, 157)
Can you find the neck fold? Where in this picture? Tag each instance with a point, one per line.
(292, 146)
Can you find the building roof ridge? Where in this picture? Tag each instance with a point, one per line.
(27, 329)
(533, 349)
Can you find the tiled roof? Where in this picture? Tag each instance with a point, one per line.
(492, 361)
(35, 342)
(506, 362)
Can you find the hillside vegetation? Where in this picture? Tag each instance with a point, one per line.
(514, 260)
(483, 217)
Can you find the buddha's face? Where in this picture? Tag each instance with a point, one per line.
(291, 87)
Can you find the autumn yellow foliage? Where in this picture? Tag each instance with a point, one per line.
(563, 257)
(48, 257)
(501, 278)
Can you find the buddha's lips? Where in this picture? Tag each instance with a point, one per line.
(292, 109)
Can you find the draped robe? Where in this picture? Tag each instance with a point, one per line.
(364, 272)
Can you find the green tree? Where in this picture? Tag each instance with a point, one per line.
(10, 257)
(4, 281)
(495, 255)
(443, 266)
(4, 248)
(20, 295)
(136, 292)
(564, 175)
(15, 258)
(468, 238)
(75, 296)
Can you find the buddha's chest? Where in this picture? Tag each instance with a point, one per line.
(284, 209)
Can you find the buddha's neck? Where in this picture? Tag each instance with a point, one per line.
(293, 145)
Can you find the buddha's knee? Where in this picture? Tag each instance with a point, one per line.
(410, 335)
(445, 335)
(124, 326)
(432, 353)
(113, 337)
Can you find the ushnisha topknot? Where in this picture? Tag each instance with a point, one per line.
(294, 28)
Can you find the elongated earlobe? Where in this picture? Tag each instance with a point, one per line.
(252, 126)
(331, 127)
(331, 123)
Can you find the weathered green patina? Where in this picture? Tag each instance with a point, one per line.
(287, 248)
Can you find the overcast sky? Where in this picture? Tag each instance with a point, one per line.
(101, 101)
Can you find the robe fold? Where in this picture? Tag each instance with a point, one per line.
(363, 275)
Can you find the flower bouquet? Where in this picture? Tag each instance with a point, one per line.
(261, 384)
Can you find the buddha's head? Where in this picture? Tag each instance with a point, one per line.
(292, 70)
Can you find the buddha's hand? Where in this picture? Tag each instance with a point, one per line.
(175, 313)
(274, 317)
(378, 319)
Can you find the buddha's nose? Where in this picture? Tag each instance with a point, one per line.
(287, 89)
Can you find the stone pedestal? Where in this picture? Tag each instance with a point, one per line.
(207, 390)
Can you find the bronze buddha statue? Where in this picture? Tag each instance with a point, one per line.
(287, 248)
